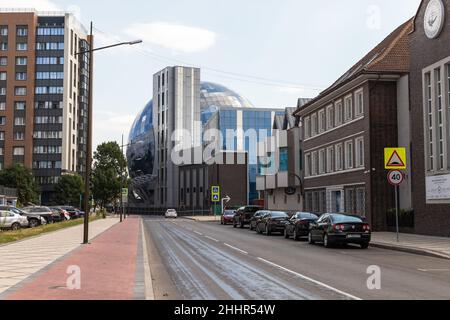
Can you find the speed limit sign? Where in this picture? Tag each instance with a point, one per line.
(396, 177)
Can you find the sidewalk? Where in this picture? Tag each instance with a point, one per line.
(424, 245)
(19, 260)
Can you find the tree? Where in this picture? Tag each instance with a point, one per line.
(68, 190)
(108, 174)
(20, 178)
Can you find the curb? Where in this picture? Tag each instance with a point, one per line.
(417, 251)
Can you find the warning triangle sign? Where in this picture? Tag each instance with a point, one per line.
(396, 161)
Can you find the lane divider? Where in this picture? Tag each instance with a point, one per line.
(236, 249)
(309, 279)
(211, 238)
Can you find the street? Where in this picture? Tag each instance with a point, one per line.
(204, 260)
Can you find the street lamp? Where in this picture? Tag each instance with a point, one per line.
(87, 190)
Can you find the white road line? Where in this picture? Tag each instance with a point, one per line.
(431, 270)
(210, 238)
(310, 279)
(236, 249)
(199, 233)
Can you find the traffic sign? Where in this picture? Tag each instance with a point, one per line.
(215, 194)
(124, 195)
(395, 158)
(396, 177)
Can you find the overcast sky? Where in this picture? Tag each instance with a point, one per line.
(270, 51)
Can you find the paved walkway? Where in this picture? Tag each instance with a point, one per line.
(432, 246)
(20, 260)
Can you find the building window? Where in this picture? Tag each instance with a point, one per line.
(2, 135)
(322, 121)
(19, 151)
(1, 151)
(314, 164)
(20, 91)
(21, 47)
(19, 136)
(22, 31)
(348, 101)
(308, 165)
(2, 121)
(21, 76)
(349, 155)
(330, 117)
(3, 61)
(2, 106)
(429, 112)
(359, 95)
(21, 61)
(284, 155)
(313, 125)
(338, 113)
(339, 157)
(3, 30)
(3, 91)
(3, 76)
(360, 152)
(4, 46)
(19, 121)
(331, 161)
(20, 105)
(440, 119)
(361, 202)
(307, 124)
(322, 161)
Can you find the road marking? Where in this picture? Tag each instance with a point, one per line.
(210, 238)
(199, 233)
(434, 270)
(310, 279)
(236, 249)
(149, 292)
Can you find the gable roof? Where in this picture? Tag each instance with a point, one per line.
(392, 55)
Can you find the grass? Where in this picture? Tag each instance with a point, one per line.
(12, 236)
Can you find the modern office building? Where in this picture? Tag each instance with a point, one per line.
(43, 94)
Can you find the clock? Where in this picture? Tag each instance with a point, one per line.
(434, 18)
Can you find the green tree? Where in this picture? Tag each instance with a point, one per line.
(108, 173)
(21, 178)
(68, 190)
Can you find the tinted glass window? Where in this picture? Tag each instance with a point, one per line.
(307, 216)
(346, 219)
(279, 215)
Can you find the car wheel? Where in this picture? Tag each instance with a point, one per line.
(221, 222)
(34, 223)
(295, 235)
(15, 226)
(268, 233)
(326, 241)
(242, 225)
(365, 245)
(234, 224)
(310, 239)
(286, 234)
(251, 228)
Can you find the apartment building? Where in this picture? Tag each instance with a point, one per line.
(43, 94)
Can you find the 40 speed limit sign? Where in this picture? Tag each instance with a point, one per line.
(396, 177)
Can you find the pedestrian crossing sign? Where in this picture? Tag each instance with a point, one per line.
(215, 194)
(395, 158)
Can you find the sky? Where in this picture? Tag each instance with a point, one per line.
(270, 51)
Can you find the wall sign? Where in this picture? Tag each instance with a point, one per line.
(438, 187)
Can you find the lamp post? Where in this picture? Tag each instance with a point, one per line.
(87, 191)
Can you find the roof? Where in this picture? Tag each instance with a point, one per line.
(392, 55)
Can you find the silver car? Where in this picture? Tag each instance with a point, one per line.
(11, 220)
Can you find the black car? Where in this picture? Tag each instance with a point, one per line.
(298, 225)
(272, 221)
(333, 229)
(256, 217)
(244, 214)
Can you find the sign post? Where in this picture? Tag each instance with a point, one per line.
(124, 201)
(225, 200)
(396, 178)
(215, 197)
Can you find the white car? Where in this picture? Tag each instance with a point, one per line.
(171, 213)
(11, 220)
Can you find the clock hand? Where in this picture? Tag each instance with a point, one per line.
(431, 21)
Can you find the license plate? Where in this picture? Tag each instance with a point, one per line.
(354, 236)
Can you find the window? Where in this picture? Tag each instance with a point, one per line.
(47, 135)
(349, 155)
(22, 31)
(330, 117)
(331, 161)
(313, 125)
(2, 106)
(19, 136)
(314, 164)
(359, 103)
(2, 76)
(339, 158)
(2, 135)
(1, 151)
(360, 152)
(440, 119)
(308, 164)
(21, 76)
(19, 151)
(322, 161)
(19, 121)
(3, 30)
(2, 121)
(307, 124)
(2, 91)
(49, 90)
(21, 61)
(322, 121)
(21, 46)
(338, 113)
(3, 61)
(48, 105)
(348, 108)
(20, 91)
(284, 154)
(19, 105)
(4, 46)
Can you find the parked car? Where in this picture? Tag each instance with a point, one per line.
(44, 212)
(73, 212)
(272, 221)
(34, 220)
(227, 217)
(171, 213)
(13, 221)
(59, 214)
(244, 215)
(298, 225)
(333, 229)
(254, 220)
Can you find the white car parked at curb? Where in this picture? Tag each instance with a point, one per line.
(171, 213)
(11, 220)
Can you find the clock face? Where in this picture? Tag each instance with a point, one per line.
(434, 18)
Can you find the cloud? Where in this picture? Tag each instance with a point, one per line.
(173, 36)
(299, 92)
(39, 5)
(109, 126)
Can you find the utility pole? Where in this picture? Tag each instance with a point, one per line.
(121, 192)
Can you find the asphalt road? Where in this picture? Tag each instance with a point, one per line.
(195, 261)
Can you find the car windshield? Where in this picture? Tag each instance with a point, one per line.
(229, 213)
(279, 214)
(307, 216)
(338, 218)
